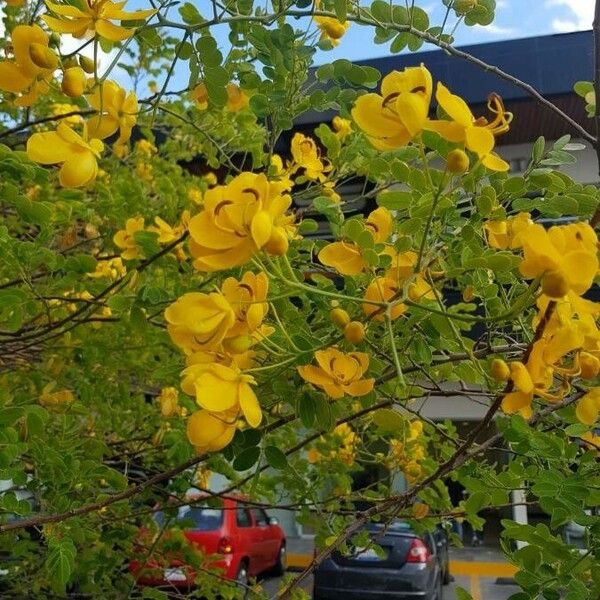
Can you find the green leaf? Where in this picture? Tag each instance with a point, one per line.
(307, 410)
(80, 263)
(189, 13)
(260, 105)
(246, 459)
(462, 594)
(275, 457)
(389, 420)
(341, 10)
(60, 562)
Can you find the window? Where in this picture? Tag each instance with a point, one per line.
(260, 516)
(194, 517)
(242, 517)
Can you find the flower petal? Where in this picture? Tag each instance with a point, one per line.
(249, 405)
(78, 170)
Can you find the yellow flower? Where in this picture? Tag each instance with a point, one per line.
(210, 432)
(247, 298)
(125, 239)
(113, 268)
(168, 400)
(588, 407)
(77, 154)
(236, 98)
(395, 117)
(382, 289)
(21, 75)
(200, 95)
(121, 150)
(219, 388)
(95, 17)
(168, 234)
(331, 29)
(507, 234)
(339, 374)
(195, 195)
(566, 251)
(143, 169)
(476, 134)
(74, 82)
(65, 109)
(328, 190)
(306, 155)
(144, 146)
(346, 257)
(58, 399)
(198, 321)
(536, 378)
(342, 127)
(117, 111)
(238, 220)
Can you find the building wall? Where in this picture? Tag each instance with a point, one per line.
(585, 170)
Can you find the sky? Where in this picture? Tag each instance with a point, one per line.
(514, 19)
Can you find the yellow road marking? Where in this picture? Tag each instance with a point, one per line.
(475, 587)
(482, 569)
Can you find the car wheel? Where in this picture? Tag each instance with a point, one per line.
(447, 578)
(281, 564)
(242, 579)
(440, 591)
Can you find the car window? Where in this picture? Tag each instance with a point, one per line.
(260, 517)
(243, 517)
(196, 518)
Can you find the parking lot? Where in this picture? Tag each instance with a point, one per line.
(480, 588)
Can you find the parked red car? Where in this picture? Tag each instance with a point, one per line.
(245, 541)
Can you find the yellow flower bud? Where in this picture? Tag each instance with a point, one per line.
(87, 64)
(340, 317)
(238, 345)
(74, 82)
(468, 293)
(43, 57)
(354, 332)
(555, 284)
(420, 510)
(499, 370)
(457, 161)
(278, 243)
(589, 364)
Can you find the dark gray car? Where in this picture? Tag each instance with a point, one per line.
(413, 567)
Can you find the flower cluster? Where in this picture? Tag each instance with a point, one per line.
(340, 445)
(30, 71)
(564, 259)
(407, 454)
(216, 332)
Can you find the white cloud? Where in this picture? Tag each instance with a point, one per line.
(495, 29)
(582, 15)
(502, 4)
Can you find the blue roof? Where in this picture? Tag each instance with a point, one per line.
(551, 63)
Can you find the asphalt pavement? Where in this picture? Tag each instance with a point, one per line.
(480, 588)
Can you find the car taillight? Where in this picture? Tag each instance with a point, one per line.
(418, 552)
(225, 546)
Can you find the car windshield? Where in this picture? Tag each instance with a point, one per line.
(198, 518)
